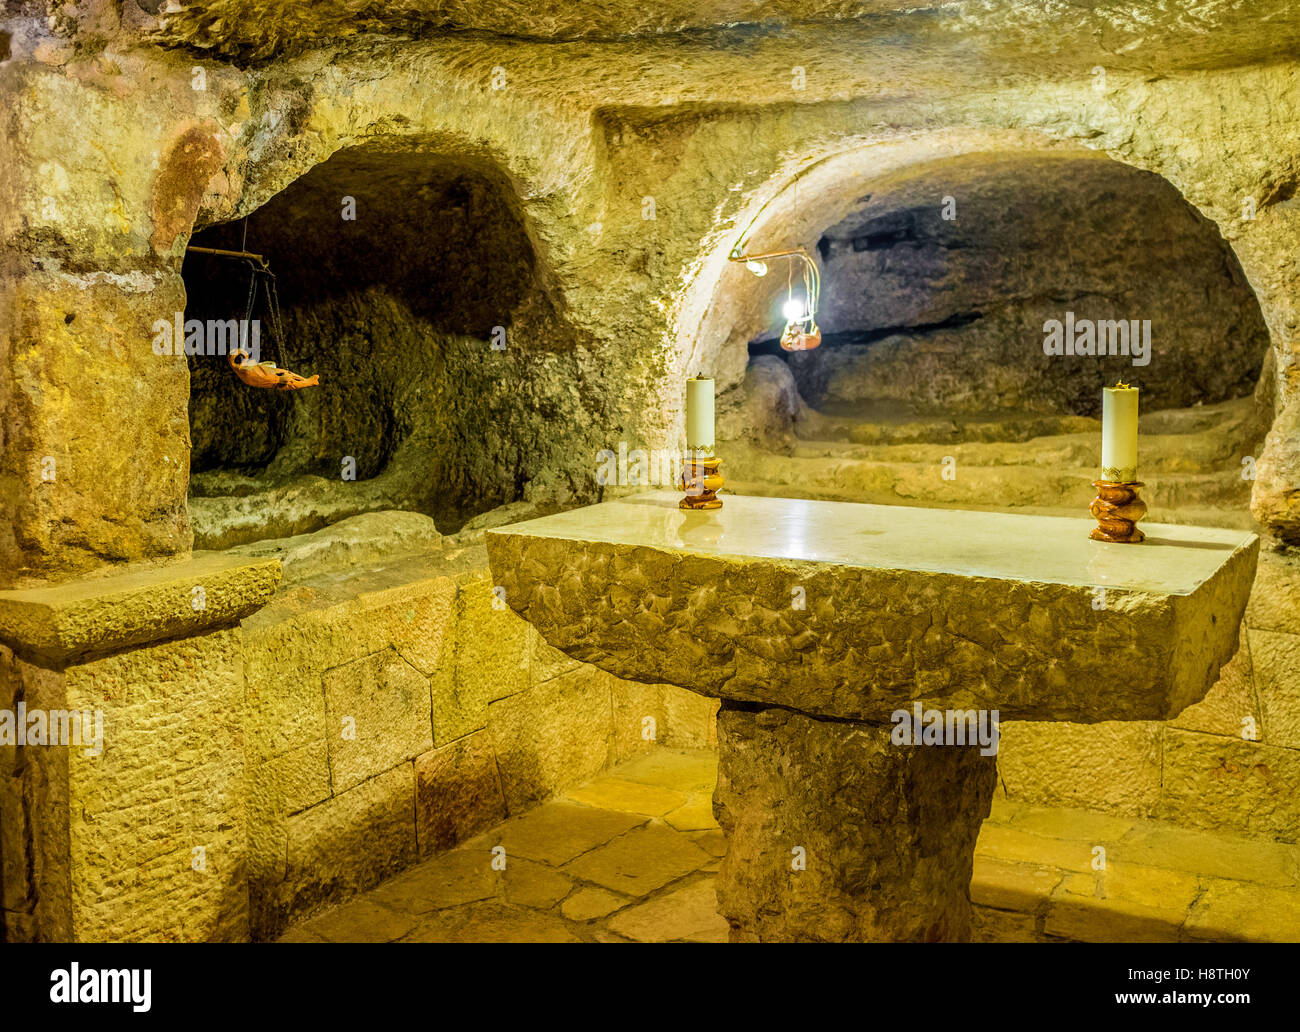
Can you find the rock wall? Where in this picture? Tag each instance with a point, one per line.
(941, 306)
(117, 150)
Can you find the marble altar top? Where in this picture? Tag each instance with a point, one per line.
(1174, 560)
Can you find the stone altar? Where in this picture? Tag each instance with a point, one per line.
(817, 622)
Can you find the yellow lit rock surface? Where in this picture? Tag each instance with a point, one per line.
(457, 792)
(455, 878)
(379, 710)
(1229, 708)
(696, 815)
(1010, 885)
(629, 796)
(1233, 911)
(153, 842)
(1229, 784)
(114, 458)
(1276, 657)
(561, 831)
(490, 663)
(530, 884)
(1050, 874)
(1113, 765)
(589, 903)
(1130, 903)
(350, 841)
(835, 834)
(690, 914)
(639, 862)
(556, 733)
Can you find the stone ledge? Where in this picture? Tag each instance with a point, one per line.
(53, 626)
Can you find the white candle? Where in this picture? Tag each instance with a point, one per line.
(1119, 434)
(699, 414)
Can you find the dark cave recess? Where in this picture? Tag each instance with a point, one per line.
(939, 286)
(395, 272)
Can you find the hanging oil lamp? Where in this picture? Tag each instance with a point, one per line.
(801, 332)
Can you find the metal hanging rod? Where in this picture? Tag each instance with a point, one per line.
(220, 253)
(737, 256)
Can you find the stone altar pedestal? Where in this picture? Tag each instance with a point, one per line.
(821, 625)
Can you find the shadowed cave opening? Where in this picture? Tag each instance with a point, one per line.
(396, 309)
(938, 283)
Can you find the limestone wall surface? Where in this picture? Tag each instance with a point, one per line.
(631, 161)
(118, 150)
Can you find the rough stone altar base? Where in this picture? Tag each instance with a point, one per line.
(893, 826)
(952, 608)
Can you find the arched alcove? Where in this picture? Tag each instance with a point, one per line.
(945, 284)
(409, 284)
(946, 261)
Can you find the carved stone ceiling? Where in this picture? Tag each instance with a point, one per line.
(1152, 35)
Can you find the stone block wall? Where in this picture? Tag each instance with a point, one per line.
(1230, 763)
(397, 716)
(140, 834)
(145, 840)
(261, 769)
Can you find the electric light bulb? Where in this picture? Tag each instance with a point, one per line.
(793, 310)
(757, 268)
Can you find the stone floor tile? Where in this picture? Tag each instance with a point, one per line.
(1233, 911)
(451, 879)
(530, 884)
(640, 861)
(695, 815)
(589, 903)
(712, 841)
(360, 921)
(557, 832)
(614, 793)
(615, 872)
(688, 913)
(492, 922)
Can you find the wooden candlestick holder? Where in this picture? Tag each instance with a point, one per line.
(700, 480)
(1117, 509)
